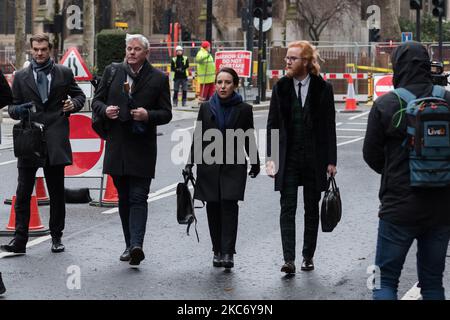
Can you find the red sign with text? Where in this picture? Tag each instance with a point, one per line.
(240, 61)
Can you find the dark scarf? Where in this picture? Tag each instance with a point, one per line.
(136, 76)
(222, 109)
(42, 70)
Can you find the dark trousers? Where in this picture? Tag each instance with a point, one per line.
(393, 244)
(223, 224)
(311, 198)
(54, 177)
(133, 207)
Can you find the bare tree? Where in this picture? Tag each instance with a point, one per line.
(20, 35)
(88, 31)
(316, 15)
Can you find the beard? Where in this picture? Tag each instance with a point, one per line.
(297, 71)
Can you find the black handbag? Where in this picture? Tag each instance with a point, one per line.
(185, 204)
(331, 210)
(29, 139)
(100, 126)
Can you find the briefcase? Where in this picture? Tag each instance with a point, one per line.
(331, 210)
(29, 139)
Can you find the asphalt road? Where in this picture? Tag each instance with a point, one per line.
(176, 266)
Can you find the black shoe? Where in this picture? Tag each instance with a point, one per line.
(125, 256)
(2, 286)
(57, 245)
(307, 265)
(14, 247)
(227, 261)
(217, 260)
(288, 267)
(136, 256)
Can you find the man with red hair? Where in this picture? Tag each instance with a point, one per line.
(302, 110)
(206, 71)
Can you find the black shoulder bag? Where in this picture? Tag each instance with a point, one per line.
(99, 124)
(185, 204)
(29, 139)
(331, 210)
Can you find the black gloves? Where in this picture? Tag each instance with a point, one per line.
(22, 111)
(187, 172)
(254, 170)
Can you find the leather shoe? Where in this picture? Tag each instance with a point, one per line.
(307, 265)
(217, 259)
(136, 256)
(57, 245)
(14, 247)
(2, 286)
(228, 261)
(125, 256)
(288, 267)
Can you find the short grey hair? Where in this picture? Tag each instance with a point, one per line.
(143, 40)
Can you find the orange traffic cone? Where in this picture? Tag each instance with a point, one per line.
(350, 99)
(110, 197)
(35, 225)
(41, 193)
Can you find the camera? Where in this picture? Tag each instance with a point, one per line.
(438, 77)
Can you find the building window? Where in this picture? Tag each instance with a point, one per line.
(8, 15)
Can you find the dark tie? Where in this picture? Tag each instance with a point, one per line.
(300, 94)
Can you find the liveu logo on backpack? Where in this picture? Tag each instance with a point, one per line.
(428, 137)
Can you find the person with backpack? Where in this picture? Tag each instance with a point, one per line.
(407, 142)
(180, 67)
(133, 98)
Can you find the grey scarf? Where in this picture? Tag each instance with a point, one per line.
(42, 70)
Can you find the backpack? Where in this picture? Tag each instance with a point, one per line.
(427, 137)
(98, 123)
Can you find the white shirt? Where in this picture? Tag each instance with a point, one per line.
(49, 77)
(305, 87)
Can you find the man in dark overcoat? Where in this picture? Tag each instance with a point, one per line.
(47, 93)
(302, 115)
(135, 103)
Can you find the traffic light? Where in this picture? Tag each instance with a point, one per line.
(415, 4)
(439, 9)
(185, 35)
(374, 35)
(268, 9)
(258, 8)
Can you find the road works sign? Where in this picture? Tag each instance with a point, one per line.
(238, 60)
(382, 85)
(73, 60)
(87, 148)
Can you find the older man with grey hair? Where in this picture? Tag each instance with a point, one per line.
(133, 98)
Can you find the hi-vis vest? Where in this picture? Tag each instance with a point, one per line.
(174, 59)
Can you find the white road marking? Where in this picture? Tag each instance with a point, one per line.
(351, 141)
(348, 137)
(8, 162)
(413, 293)
(359, 130)
(30, 244)
(359, 115)
(339, 124)
(357, 123)
(160, 194)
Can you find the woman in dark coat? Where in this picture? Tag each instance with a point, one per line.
(224, 129)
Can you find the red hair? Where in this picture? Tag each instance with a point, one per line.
(310, 53)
